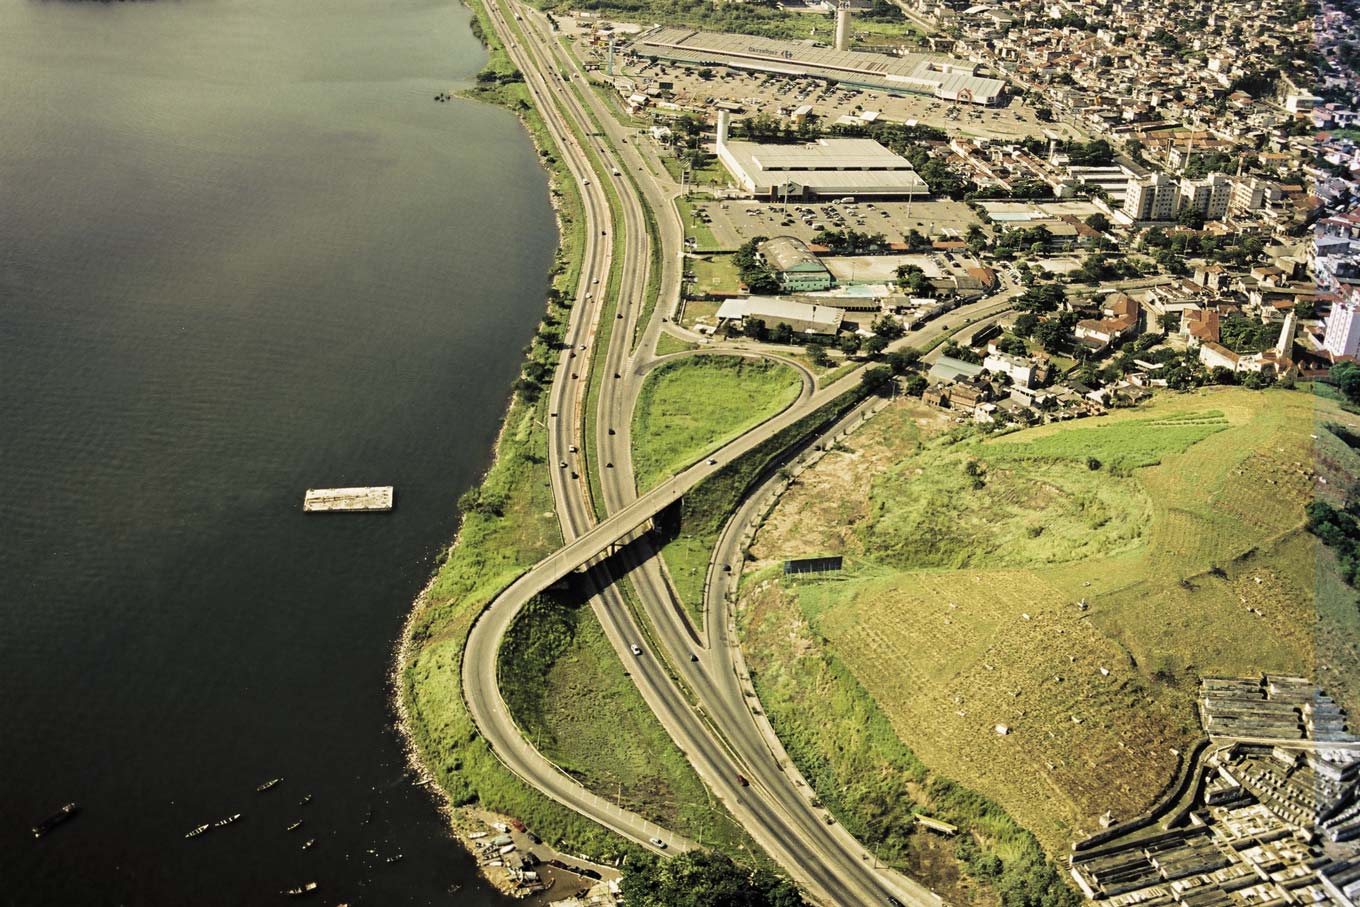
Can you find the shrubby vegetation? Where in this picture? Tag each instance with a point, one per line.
(1340, 531)
(705, 879)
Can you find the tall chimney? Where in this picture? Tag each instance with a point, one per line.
(724, 121)
(842, 41)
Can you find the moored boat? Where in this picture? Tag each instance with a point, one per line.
(46, 825)
(272, 782)
(223, 823)
(198, 831)
(298, 892)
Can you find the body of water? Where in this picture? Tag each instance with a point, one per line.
(243, 252)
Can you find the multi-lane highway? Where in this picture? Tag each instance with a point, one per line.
(734, 753)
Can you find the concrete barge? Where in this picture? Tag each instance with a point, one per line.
(374, 498)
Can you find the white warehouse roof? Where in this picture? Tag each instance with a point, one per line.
(824, 167)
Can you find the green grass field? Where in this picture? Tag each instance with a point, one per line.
(567, 690)
(714, 274)
(694, 405)
(959, 608)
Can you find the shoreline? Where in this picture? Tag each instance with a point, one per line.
(462, 820)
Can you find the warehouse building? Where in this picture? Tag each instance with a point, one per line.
(828, 168)
(919, 74)
(792, 262)
(805, 319)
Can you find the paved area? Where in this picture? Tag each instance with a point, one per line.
(734, 221)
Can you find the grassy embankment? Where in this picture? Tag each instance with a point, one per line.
(584, 714)
(507, 524)
(692, 406)
(959, 612)
(667, 344)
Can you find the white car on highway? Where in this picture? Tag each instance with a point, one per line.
(637, 649)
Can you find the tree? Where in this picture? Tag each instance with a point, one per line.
(916, 385)
(1191, 217)
(1221, 374)
(903, 361)
(914, 280)
(755, 328)
(817, 355)
(961, 353)
(782, 333)
(875, 377)
(1025, 324)
(1098, 221)
(1346, 376)
(1052, 336)
(888, 327)
(1041, 297)
(1013, 345)
(976, 239)
(875, 345)
(848, 343)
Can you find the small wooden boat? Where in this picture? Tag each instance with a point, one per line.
(272, 782)
(299, 892)
(46, 825)
(198, 831)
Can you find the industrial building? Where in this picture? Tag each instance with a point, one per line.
(919, 74)
(794, 265)
(805, 319)
(828, 167)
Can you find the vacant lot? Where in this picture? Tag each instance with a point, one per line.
(693, 405)
(1031, 612)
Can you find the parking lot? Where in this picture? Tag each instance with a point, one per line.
(734, 221)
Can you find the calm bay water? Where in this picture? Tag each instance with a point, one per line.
(242, 252)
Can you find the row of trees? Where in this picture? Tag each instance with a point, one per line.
(850, 242)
